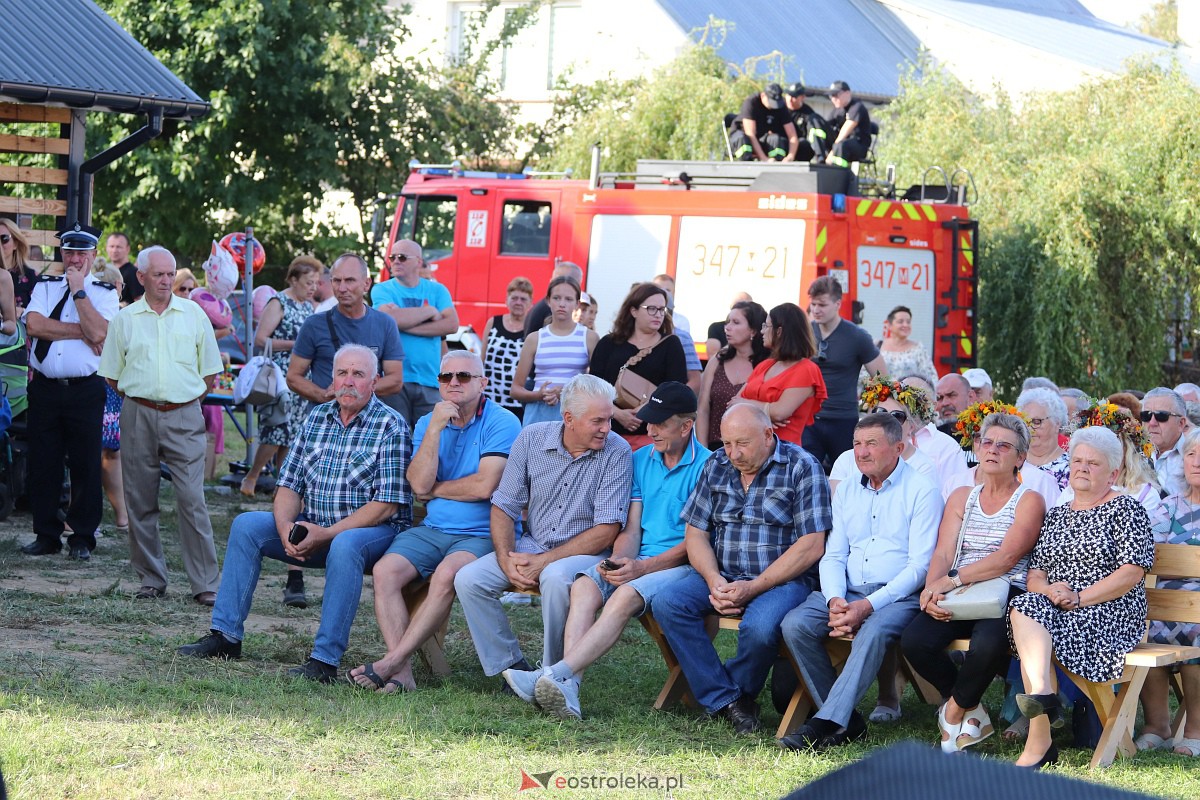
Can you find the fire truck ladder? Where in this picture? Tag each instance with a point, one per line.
(962, 293)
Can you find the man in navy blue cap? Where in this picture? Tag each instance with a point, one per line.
(648, 554)
(763, 130)
(67, 320)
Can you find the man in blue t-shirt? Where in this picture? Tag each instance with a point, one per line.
(423, 313)
(349, 322)
(648, 554)
(459, 452)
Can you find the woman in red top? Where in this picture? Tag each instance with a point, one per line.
(788, 385)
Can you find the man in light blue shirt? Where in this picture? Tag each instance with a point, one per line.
(423, 313)
(884, 530)
(648, 554)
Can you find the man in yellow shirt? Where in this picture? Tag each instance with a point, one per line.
(161, 355)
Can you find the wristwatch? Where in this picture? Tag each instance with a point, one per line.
(953, 576)
(80, 295)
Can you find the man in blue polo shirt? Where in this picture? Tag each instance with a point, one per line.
(423, 313)
(647, 555)
(461, 448)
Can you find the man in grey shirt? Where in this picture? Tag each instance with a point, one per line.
(571, 480)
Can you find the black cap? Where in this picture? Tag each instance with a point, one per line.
(796, 90)
(838, 86)
(774, 95)
(79, 237)
(669, 399)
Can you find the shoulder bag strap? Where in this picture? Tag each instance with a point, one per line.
(337, 343)
(637, 357)
(972, 499)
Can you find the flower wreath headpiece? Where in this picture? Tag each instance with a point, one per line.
(1118, 420)
(971, 420)
(881, 387)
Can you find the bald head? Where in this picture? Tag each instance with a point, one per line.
(953, 396)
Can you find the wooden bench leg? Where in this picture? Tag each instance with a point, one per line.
(1116, 712)
(675, 689)
(799, 706)
(1180, 719)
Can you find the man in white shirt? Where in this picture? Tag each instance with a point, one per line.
(884, 531)
(1165, 416)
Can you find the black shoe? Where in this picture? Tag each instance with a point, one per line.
(806, 738)
(314, 670)
(293, 591)
(1034, 705)
(213, 645)
(42, 547)
(1051, 757)
(742, 715)
(522, 665)
(80, 552)
(856, 729)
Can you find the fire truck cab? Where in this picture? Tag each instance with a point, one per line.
(718, 228)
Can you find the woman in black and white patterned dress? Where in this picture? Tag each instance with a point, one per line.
(1086, 604)
(502, 339)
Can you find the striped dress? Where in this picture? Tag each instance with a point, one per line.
(558, 359)
(983, 533)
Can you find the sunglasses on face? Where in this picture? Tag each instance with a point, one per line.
(5, 238)
(1160, 416)
(900, 416)
(463, 377)
(399, 258)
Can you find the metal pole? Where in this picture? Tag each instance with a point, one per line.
(248, 309)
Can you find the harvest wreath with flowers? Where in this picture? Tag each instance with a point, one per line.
(971, 420)
(881, 387)
(1118, 420)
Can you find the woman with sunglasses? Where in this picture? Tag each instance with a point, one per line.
(789, 386)
(1047, 415)
(987, 531)
(14, 249)
(557, 352)
(643, 327)
(910, 407)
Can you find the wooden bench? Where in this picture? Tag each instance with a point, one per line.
(1118, 711)
(433, 651)
(675, 688)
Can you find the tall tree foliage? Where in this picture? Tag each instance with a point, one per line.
(307, 96)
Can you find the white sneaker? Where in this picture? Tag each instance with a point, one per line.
(560, 698)
(522, 683)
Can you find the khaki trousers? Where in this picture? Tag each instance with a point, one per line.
(177, 439)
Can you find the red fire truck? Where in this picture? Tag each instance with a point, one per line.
(719, 228)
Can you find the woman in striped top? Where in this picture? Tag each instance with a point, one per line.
(554, 354)
(998, 522)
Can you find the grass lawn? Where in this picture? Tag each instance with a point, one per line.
(94, 703)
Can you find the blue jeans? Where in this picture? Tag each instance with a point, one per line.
(351, 552)
(680, 610)
(807, 629)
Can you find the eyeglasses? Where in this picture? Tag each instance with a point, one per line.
(1161, 416)
(897, 414)
(654, 311)
(463, 377)
(5, 238)
(1037, 422)
(401, 258)
(1003, 447)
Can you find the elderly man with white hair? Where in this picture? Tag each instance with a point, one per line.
(161, 356)
(570, 482)
(1164, 414)
(342, 497)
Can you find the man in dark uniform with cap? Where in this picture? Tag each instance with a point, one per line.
(67, 320)
(763, 130)
(811, 127)
(853, 126)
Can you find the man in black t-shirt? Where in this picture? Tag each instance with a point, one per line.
(116, 247)
(843, 349)
(811, 127)
(763, 130)
(853, 126)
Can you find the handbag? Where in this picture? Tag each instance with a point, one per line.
(982, 599)
(261, 382)
(632, 389)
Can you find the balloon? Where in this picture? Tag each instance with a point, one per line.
(235, 243)
(262, 296)
(218, 310)
(220, 272)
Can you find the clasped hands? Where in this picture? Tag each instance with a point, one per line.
(730, 598)
(846, 618)
(1063, 595)
(316, 539)
(523, 570)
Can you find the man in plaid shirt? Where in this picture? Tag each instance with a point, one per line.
(342, 497)
(756, 525)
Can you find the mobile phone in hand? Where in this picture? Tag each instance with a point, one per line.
(297, 534)
(608, 564)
